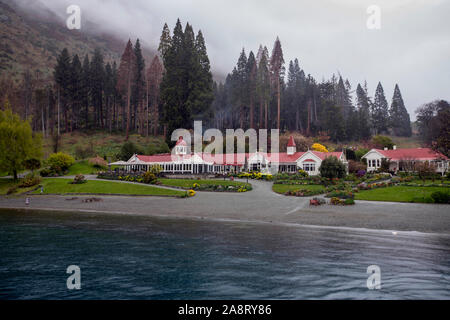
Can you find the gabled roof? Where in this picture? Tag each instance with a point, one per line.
(291, 142)
(411, 153)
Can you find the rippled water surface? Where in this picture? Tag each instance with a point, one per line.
(135, 257)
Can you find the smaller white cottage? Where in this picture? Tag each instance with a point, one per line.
(405, 159)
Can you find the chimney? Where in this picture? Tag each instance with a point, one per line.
(394, 147)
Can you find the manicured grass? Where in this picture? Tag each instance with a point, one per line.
(282, 188)
(82, 167)
(400, 194)
(62, 186)
(188, 183)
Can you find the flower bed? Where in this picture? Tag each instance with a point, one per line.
(302, 193)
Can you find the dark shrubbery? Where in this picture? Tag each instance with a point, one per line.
(332, 168)
(79, 179)
(440, 197)
(149, 178)
(128, 150)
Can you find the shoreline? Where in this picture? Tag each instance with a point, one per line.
(276, 210)
(221, 220)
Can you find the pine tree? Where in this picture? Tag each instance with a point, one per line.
(277, 71)
(124, 80)
(399, 117)
(97, 83)
(138, 88)
(263, 86)
(380, 116)
(203, 83)
(154, 78)
(62, 75)
(239, 87)
(85, 89)
(251, 76)
(76, 90)
(187, 86)
(165, 42)
(363, 110)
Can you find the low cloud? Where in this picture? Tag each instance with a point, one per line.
(328, 36)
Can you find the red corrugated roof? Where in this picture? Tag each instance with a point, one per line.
(412, 153)
(291, 142)
(236, 159)
(324, 155)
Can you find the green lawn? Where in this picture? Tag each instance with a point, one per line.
(62, 186)
(82, 167)
(188, 183)
(399, 194)
(282, 188)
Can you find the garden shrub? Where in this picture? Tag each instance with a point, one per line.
(79, 179)
(319, 147)
(440, 197)
(60, 162)
(332, 168)
(29, 181)
(149, 178)
(98, 163)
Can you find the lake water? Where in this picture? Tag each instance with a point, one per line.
(136, 257)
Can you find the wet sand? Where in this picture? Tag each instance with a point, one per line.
(258, 205)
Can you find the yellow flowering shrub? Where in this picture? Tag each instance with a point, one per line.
(319, 147)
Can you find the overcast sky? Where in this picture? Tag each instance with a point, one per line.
(412, 48)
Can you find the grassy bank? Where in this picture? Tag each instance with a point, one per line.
(283, 188)
(82, 167)
(400, 194)
(188, 183)
(63, 186)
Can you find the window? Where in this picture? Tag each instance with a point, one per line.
(309, 167)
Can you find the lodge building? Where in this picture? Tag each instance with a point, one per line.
(181, 161)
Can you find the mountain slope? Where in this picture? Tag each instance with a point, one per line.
(32, 42)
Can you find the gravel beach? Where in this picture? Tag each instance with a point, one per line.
(258, 205)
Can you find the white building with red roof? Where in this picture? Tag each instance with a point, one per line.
(405, 159)
(181, 161)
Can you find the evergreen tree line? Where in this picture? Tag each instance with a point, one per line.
(177, 88)
(92, 94)
(257, 95)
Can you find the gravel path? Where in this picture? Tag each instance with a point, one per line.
(259, 205)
